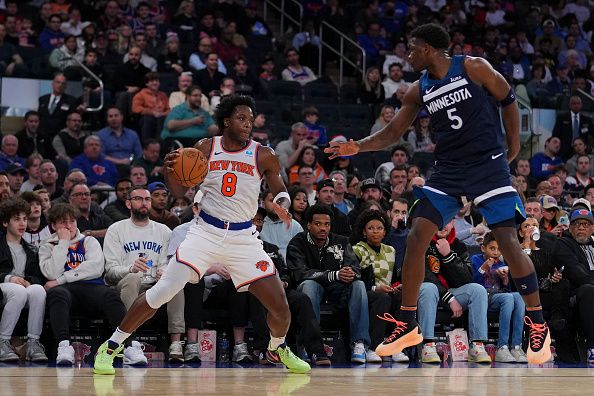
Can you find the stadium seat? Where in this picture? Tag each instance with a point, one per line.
(379, 157)
(315, 92)
(285, 91)
(348, 94)
(355, 115)
(328, 113)
(364, 162)
(270, 109)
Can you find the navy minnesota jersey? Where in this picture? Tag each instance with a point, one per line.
(464, 116)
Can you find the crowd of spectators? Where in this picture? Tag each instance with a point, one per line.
(80, 230)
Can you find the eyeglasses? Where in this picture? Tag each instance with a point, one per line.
(581, 224)
(140, 199)
(81, 194)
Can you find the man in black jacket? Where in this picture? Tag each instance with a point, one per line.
(21, 282)
(302, 312)
(326, 268)
(325, 196)
(572, 125)
(575, 253)
(448, 277)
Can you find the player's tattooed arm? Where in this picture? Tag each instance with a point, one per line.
(176, 189)
(481, 72)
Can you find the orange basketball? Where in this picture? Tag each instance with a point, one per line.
(190, 168)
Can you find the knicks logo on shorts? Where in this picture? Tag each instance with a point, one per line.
(262, 265)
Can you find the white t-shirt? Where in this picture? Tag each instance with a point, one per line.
(124, 241)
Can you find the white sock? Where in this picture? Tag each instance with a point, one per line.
(119, 336)
(275, 342)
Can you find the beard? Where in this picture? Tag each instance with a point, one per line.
(140, 214)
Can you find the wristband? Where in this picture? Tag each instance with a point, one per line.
(282, 194)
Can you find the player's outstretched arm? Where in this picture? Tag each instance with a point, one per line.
(387, 136)
(270, 167)
(481, 72)
(177, 190)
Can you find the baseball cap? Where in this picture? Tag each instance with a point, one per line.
(581, 203)
(154, 186)
(581, 214)
(423, 114)
(324, 183)
(548, 202)
(340, 139)
(15, 168)
(370, 183)
(548, 22)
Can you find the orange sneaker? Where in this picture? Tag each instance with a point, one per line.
(539, 343)
(403, 336)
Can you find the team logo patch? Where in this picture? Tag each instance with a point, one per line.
(433, 263)
(262, 265)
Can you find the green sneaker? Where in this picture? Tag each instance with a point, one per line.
(104, 361)
(283, 355)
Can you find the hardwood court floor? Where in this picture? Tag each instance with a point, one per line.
(461, 379)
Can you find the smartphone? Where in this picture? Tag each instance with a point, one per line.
(564, 221)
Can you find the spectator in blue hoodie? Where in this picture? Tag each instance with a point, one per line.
(96, 168)
(316, 132)
(51, 36)
(489, 270)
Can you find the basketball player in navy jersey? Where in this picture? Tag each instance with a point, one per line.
(462, 95)
(223, 233)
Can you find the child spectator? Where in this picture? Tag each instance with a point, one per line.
(490, 270)
(317, 132)
(21, 283)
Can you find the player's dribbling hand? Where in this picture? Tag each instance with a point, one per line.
(171, 159)
(282, 214)
(342, 149)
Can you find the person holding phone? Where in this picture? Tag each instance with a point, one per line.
(378, 271)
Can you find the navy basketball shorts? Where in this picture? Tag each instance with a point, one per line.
(487, 183)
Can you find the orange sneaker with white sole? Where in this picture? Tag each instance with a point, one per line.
(404, 335)
(539, 342)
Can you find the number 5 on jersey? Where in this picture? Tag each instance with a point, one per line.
(229, 184)
(457, 121)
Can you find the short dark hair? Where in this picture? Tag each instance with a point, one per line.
(399, 200)
(318, 209)
(489, 237)
(191, 89)
(399, 168)
(134, 188)
(123, 180)
(12, 207)
(76, 185)
(589, 186)
(147, 143)
(62, 211)
(31, 196)
(395, 64)
(31, 113)
(399, 148)
(536, 200)
(228, 105)
(150, 76)
(112, 107)
(433, 34)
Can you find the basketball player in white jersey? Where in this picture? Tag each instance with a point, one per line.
(223, 233)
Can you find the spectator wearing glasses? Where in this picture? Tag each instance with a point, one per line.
(51, 36)
(92, 221)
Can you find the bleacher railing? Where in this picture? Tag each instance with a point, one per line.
(86, 94)
(527, 134)
(358, 64)
(285, 14)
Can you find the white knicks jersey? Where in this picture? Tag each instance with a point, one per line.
(232, 185)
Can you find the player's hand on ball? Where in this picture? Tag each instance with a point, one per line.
(171, 159)
(342, 149)
(282, 214)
